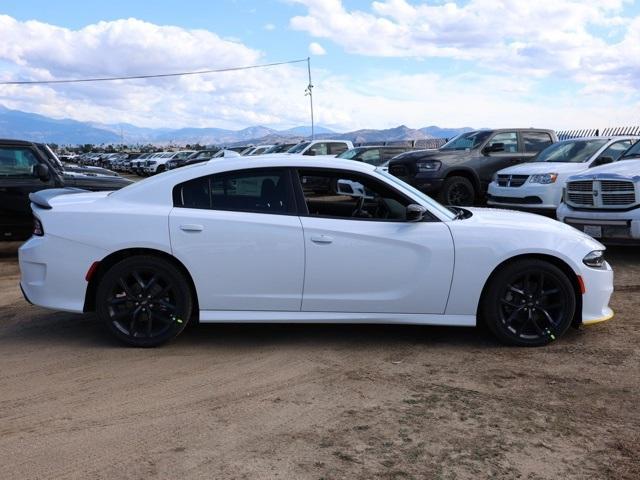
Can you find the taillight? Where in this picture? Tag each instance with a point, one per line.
(37, 227)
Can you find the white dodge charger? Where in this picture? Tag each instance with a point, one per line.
(299, 239)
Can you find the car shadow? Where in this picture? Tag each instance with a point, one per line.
(44, 327)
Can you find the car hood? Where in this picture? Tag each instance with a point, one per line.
(624, 169)
(94, 181)
(529, 225)
(533, 168)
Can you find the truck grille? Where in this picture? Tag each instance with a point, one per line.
(601, 194)
(512, 180)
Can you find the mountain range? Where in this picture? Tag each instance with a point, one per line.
(30, 126)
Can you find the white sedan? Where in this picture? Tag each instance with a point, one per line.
(280, 240)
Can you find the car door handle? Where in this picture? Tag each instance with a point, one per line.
(191, 227)
(321, 239)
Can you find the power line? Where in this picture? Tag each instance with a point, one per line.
(160, 75)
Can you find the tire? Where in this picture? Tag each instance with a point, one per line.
(160, 169)
(457, 191)
(528, 303)
(144, 301)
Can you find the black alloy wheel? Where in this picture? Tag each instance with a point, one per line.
(144, 301)
(458, 191)
(530, 303)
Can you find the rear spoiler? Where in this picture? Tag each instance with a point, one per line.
(42, 197)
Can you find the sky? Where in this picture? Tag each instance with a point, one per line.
(375, 64)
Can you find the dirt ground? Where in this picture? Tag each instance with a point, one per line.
(317, 402)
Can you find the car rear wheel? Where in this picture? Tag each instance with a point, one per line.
(529, 303)
(144, 301)
(458, 191)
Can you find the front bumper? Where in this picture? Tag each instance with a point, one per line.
(425, 184)
(528, 196)
(598, 285)
(615, 227)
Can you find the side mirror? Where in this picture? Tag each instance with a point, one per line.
(494, 147)
(601, 161)
(415, 212)
(311, 153)
(42, 172)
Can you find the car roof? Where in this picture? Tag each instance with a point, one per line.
(607, 138)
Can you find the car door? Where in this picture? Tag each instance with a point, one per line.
(362, 256)
(491, 162)
(239, 236)
(17, 181)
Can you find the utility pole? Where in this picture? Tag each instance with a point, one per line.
(309, 92)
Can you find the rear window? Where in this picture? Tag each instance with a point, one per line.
(258, 191)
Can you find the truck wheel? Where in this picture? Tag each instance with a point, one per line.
(457, 191)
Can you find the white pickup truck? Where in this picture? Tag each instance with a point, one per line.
(320, 148)
(605, 201)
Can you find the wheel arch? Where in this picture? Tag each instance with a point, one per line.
(556, 261)
(110, 260)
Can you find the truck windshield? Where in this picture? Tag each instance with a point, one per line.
(571, 151)
(467, 141)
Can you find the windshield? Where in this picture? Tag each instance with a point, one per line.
(426, 200)
(351, 154)
(469, 140)
(570, 151)
(298, 148)
(633, 152)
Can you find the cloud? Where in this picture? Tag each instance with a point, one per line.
(270, 27)
(275, 96)
(541, 38)
(316, 49)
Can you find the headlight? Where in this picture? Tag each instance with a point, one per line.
(544, 178)
(594, 259)
(430, 166)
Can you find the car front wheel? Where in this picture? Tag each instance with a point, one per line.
(529, 302)
(144, 301)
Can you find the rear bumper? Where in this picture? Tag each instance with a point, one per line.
(52, 272)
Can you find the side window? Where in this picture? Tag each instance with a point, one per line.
(615, 150)
(16, 162)
(258, 191)
(535, 142)
(350, 196)
(371, 157)
(509, 139)
(336, 148)
(319, 149)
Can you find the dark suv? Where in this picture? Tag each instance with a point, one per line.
(459, 172)
(27, 167)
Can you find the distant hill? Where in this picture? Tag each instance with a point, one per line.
(31, 126)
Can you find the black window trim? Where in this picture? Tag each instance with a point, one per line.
(303, 211)
(287, 176)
